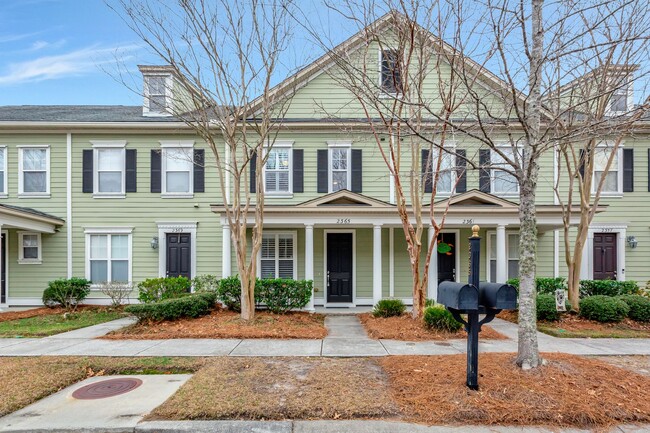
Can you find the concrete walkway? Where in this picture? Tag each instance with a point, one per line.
(347, 338)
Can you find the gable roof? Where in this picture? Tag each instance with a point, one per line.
(78, 113)
(345, 197)
(475, 197)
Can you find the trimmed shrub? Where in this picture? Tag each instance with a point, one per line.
(171, 309)
(281, 294)
(608, 288)
(160, 289)
(205, 283)
(543, 284)
(639, 307)
(67, 293)
(229, 292)
(546, 309)
(437, 317)
(209, 297)
(389, 308)
(603, 308)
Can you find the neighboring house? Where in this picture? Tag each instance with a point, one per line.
(111, 193)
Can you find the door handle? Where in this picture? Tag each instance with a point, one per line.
(328, 278)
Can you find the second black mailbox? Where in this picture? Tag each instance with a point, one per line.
(458, 296)
(497, 296)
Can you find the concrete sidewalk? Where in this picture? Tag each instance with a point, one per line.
(347, 338)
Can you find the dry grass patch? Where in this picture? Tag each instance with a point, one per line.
(23, 380)
(227, 324)
(568, 391)
(282, 388)
(405, 328)
(636, 363)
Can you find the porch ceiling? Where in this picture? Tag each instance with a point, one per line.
(28, 219)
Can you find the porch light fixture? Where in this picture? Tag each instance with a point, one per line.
(632, 242)
(154, 242)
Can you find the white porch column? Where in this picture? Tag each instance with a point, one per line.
(376, 264)
(225, 251)
(309, 261)
(432, 289)
(2, 263)
(586, 269)
(502, 256)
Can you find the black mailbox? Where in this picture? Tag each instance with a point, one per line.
(497, 296)
(458, 296)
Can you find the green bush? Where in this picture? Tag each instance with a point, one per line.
(389, 308)
(229, 292)
(608, 288)
(209, 297)
(429, 303)
(543, 284)
(546, 309)
(437, 317)
(172, 309)
(160, 289)
(281, 294)
(603, 308)
(639, 307)
(205, 283)
(67, 293)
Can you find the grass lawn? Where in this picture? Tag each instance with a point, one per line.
(405, 328)
(25, 380)
(55, 323)
(227, 324)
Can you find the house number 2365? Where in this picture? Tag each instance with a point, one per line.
(343, 221)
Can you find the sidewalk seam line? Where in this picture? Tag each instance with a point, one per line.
(236, 346)
(150, 347)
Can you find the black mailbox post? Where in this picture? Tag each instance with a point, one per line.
(473, 299)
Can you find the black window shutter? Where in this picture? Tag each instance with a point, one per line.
(298, 170)
(427, 177)
(87, 170)
(357, 171)
(199, 170)
(253, 171)
(461, 170)
(155, 170)
(131, 169)
(628, 170)
(484, 171)
(321, 170)
(582, 163)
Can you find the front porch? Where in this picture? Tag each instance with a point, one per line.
(353, 247)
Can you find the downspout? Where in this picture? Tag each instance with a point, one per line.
(69, 201)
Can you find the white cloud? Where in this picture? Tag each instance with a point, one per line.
(74, 63)
(16, 37)
(40, 45)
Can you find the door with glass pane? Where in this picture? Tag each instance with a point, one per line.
(179, 255)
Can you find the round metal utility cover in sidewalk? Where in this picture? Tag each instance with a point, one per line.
(106, 388)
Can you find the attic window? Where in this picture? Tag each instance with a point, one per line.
(157, 93)
(618, 102)
(391, 74)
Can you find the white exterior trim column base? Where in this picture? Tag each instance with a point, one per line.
(502, 259)
(226, 242)
(376, 264)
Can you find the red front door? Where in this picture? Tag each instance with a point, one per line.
(605, 261)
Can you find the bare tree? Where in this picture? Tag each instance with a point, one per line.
(224, 56)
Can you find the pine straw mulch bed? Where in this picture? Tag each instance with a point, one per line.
(41, 311)
(24, 380)
(283, 388)
(406, 329)
(568, 391)
(227, 324)
(571, 325)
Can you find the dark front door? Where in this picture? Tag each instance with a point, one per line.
(446, 257)
(179, 255)
(339, 267)
(605, 256)
(3, 271)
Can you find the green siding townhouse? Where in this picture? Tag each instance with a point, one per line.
(111, 193)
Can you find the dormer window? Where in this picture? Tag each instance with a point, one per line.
(157, 95)
(619, 100)
(391, 74)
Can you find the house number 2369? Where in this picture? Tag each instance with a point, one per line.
(343, 221)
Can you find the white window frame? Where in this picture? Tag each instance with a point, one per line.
(279, 194)
(454, 175)
(187, 146)
(108, 231)
(99, 145)
(3, 150)
(39, 194)
(277, 234)
(380, 56)
(493, 153)
(146, 111)
(488, 245)
(21, 252)
(619, 174)
(629, 102)
(339, 145)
